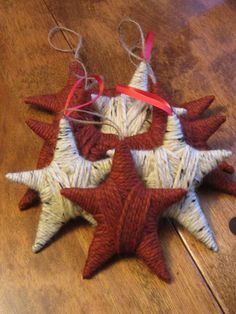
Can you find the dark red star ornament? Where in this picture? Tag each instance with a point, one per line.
(126, 213)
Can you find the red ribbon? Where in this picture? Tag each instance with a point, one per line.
(67, 112)
(146, 97)
(148, 45)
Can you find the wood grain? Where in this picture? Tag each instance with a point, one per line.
(191, 62)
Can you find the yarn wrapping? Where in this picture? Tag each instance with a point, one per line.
(66, 169)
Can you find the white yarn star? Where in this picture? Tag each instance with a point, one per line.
(67, 169)
(178, 165)
(127, 113)
(175, 164)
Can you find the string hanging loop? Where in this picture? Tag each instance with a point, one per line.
(74, 50)
(145, 44)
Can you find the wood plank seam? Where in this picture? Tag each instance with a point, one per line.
(195, 263)
(58, 24)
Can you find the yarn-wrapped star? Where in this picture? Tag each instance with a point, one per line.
(66, 169)
(197, 130)
(86, 135)
(126, 213)
(194, 131)
(177, 164)
(160, 167)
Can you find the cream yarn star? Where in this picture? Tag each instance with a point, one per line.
(67, 169)
(125, 112)
(174, 165)
(178, 165)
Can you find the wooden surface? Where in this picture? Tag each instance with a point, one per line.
(196, 56)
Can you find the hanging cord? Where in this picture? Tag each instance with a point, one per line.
(146, 49)
(89, 82)
(74, 50)
(144, 44)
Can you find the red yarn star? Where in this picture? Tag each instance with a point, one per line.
(126, 213)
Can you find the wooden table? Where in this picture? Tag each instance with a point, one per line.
(196, 56)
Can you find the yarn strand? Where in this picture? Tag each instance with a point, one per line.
(146, 46)
(74, 50)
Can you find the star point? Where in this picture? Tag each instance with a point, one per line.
(42, 129)
(196, 107)
(55, 102)
(197, 132)
(178, 165)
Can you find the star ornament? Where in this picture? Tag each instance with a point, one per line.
(126, 213)
(66, 169)
(86, 135)
(177, 164)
